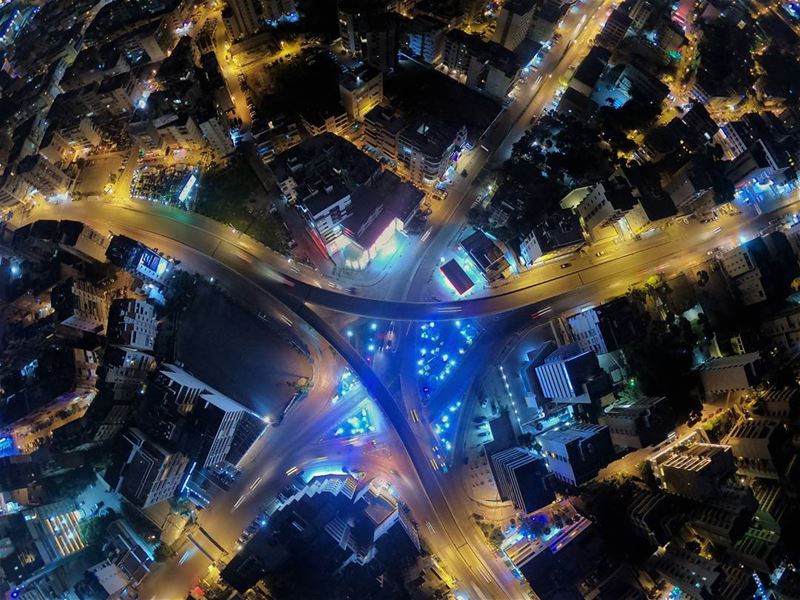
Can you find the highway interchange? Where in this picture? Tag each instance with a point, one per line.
(269, 283)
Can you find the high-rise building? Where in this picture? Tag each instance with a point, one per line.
(340, 513)
(82, 135)
(320, 176)
(484, 66)
(422, 148)
(576, 454)
(522, 477)
(361, 90)
(43, 176)
(194, 416)
(605, 328)
(702, 578)
(13, 189)
(79, 305)
(697, 472)
(655, 515)
(425, 38)
(147, 472)
(123, 377)
(380, 44)
(278, 9)
(132, 323)
(639, 11)
(425, 122)
(570, 375)
(760, 447)
(614, 31)
(244, 17)
(641, 423)
(606, 204)
(369, 31)
(729, 373)
(513, 22)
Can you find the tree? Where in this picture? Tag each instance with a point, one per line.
(477, 217)
(526, 440)
(661, 360)
(69, 484)
(93, 531)
(163, 552)
(181, 290)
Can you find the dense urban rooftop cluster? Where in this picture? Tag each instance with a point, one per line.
(399, 299)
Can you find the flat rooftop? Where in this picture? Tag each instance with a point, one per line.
(426, 93)
(320, 154)
(457, 277)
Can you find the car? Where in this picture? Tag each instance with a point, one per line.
(479, 419)
(464, 173)
(601, 253)
(483, 434)
(566, 265)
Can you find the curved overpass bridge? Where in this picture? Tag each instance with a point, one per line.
(171, 230)
(223, 263)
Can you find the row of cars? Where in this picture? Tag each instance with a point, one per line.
(253, 528)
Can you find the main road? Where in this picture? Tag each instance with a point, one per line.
(670, 250)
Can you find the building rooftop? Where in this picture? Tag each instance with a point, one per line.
(208, 394)
(559, 229)
(579, 431)
(635, 408)
(493, 53)
(394, 198)
(433, 97)
(425, 23)
(731, 362)
(482, 250)
(752, 428)
(457, 277)
(319, 155)
(519, 7)
(591, 67)
(356, 77)
(695, 458)
(564, 353)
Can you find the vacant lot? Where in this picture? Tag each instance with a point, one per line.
(233, 195)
